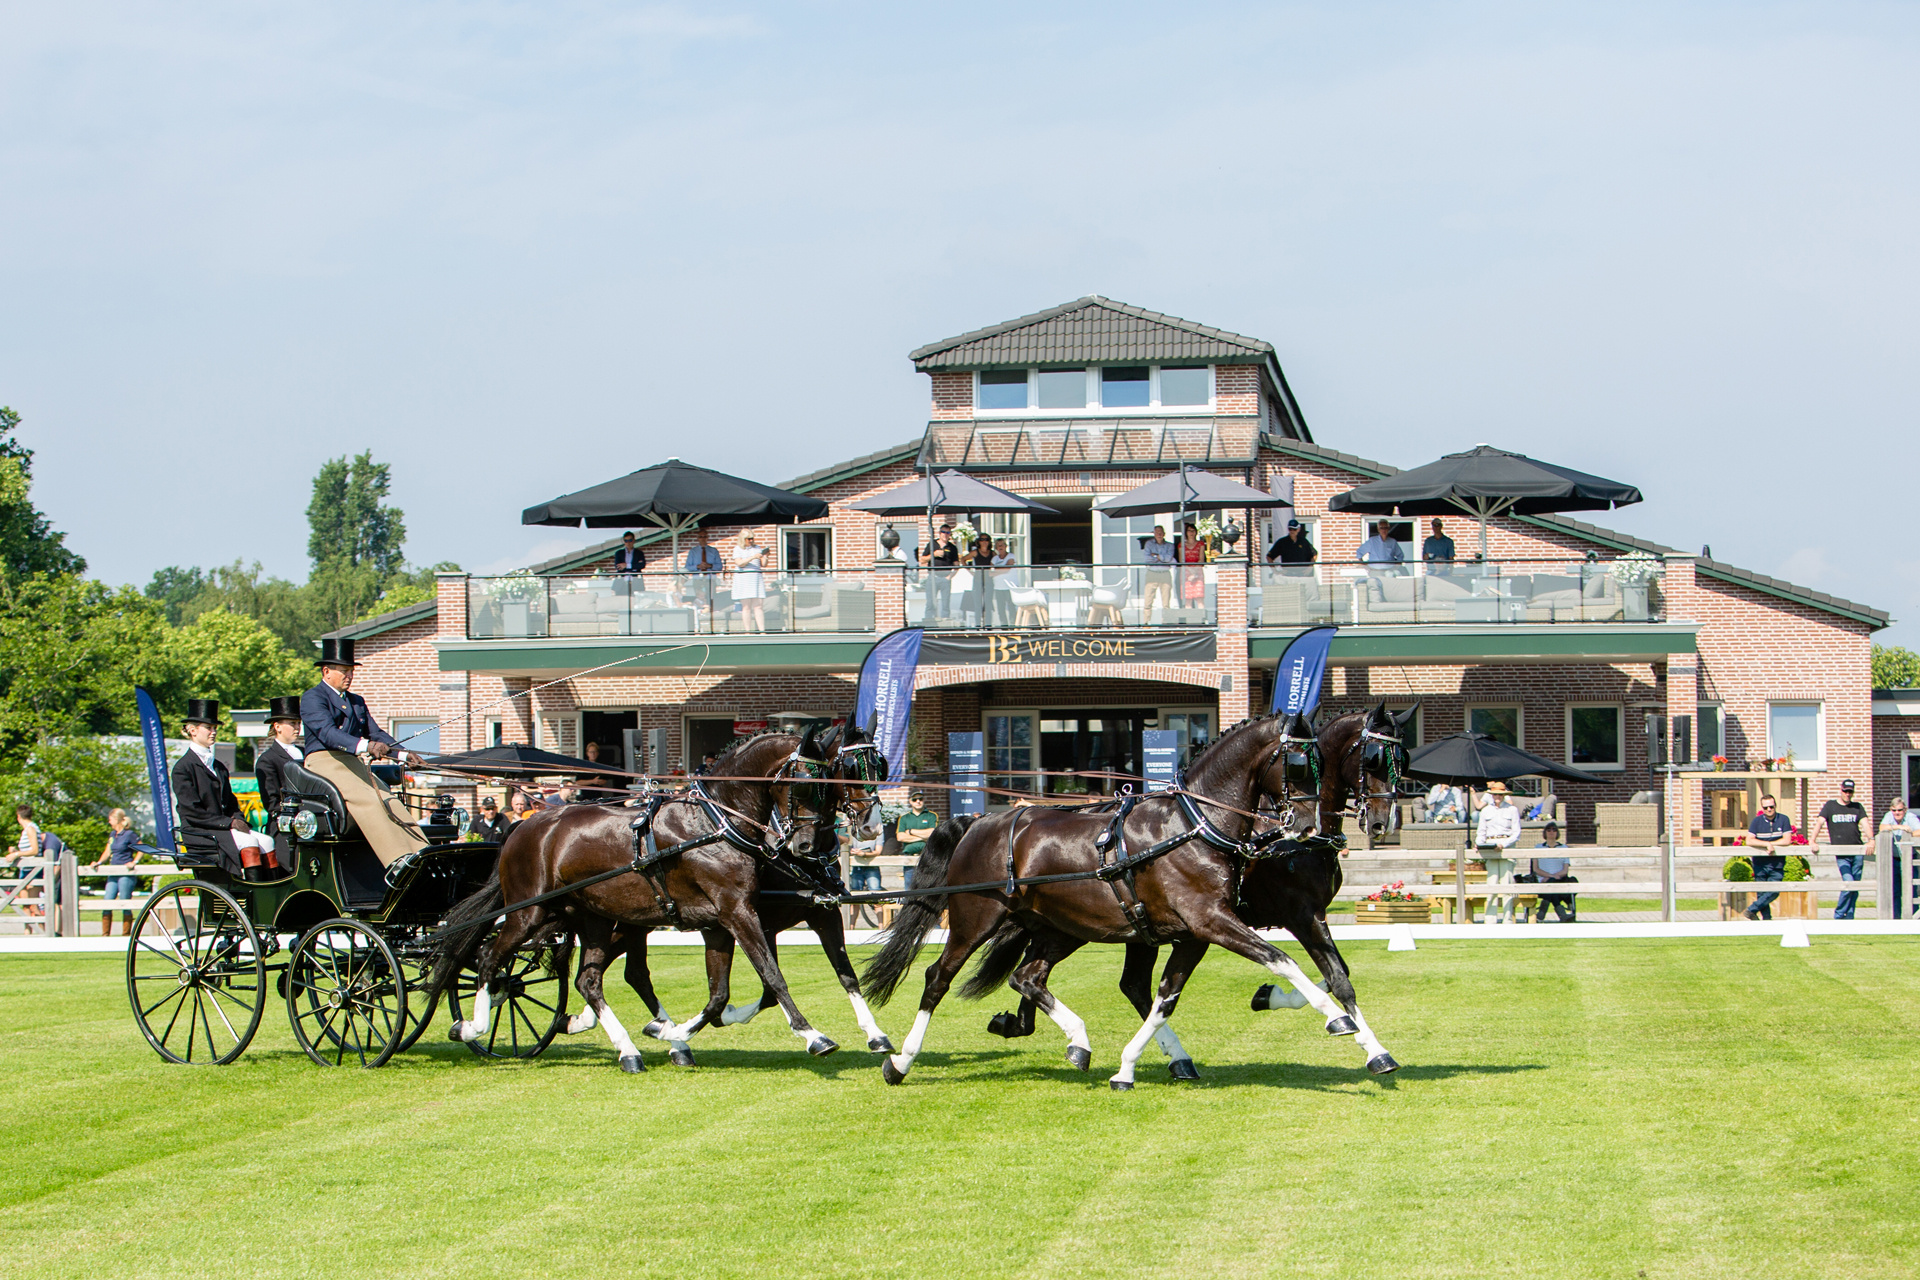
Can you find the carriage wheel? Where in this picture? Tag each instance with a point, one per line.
(419, 975)
(195, 975)
(346, 997)
(529, 1004)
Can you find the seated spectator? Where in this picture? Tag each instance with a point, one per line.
(1767, 837)
(490, 825)
(1381, 548)
(1553, 870)
(1439, 548)
(119, 853)
(1292, 548)
(517, 808)
(1445, 804)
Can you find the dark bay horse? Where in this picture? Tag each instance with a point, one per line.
(1184, 896)
(1362, 756)
(856, 769)
(712, 886)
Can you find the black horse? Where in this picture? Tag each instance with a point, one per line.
(1172, 866)
(1360, 755)
(711, 886)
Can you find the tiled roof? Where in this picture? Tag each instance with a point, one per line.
(1091, 330)
(1624, 542)
(388, 621)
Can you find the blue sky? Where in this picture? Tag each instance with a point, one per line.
(518, 249)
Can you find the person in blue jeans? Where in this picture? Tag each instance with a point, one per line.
(119, 853)
(1767, 836)
(1846, 820)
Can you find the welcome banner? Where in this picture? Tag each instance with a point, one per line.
(1002, 648)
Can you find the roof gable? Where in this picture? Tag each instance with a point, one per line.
(1090, 330)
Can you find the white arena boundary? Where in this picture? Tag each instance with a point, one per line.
(1771, 930)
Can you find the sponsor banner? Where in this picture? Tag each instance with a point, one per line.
(1161, 747)
(154, 739)
(883, 703)
(966, 757)
(989, 648)
(1296, 685)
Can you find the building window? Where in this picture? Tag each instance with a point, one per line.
(1001, 389)
(1063, 388)
(1710, 737)
(806, 550)
(1185, 386)
(1502, 724)
(496, 732)
(1797, 727)
(1012, 527)
(1594, 736)
(422, 737)
(1124, 387)
(1410, 737)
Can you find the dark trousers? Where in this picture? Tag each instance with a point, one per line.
(1851, 866)
(1767, 867)
(1563, 906)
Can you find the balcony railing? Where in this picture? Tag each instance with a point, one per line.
(1347, 593)
(669, 604)
(1039, 597)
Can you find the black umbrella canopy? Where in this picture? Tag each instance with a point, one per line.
(675, 495)
(1485, 482)
(1186, 490)
(515, 760)
(948, 491)
(1475, 758)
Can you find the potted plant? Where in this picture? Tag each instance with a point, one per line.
(1392, 905)
(1636, 573)
(1738, 868)
(1719, 764)
(522, 595)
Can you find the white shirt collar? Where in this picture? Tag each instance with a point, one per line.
(205, 754)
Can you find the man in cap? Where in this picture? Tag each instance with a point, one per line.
(339, 730)
(1846, 819)
(1292, 547)
(210, 821)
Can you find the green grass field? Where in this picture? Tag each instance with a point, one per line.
(1696, 1108)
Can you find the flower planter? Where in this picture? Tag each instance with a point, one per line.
(1392, 912)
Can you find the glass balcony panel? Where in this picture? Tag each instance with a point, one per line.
(1064, 596)
(1543, 591)
(665, 604)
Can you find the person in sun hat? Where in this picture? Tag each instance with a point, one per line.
(1499, 828)
(340, 729)
(210, 822)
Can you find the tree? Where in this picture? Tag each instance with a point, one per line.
(28, 542)
(349, 526)
(1895, 667)
(234, 658)
(71, 652)
(73, 783)
(176, 589)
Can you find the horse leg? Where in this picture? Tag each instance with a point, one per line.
(832, 933)
(1015, 1026)
(662, 1027)
(1030, 980)
(1186, 954)
(1136, 984)
(735, 1014)
(513, 931)
(597, 949)
(970, 922)
(1231, 932)
(745, 926)
(719, 977)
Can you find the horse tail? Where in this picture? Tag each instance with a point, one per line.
(902, 941)
(461, 936)
(998, 961)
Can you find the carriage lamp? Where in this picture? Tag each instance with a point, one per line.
(305, 824)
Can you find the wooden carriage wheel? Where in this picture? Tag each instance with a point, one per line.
(195, 974)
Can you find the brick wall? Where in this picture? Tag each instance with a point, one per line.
(1892, 735)
(952, 395)
(1236, 389)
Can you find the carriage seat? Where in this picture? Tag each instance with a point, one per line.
(314, 791)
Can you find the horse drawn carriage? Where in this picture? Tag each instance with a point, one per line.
(341, 941)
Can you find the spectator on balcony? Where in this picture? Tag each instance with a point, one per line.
(1845, 819)
(749, 584)
(973, 605)
(1767, 837)
(1004, 581)
(1292, 552)
(1382, 548)
(1193, 579)
(940, 560)
(1438, 550)
(120, 852)
(701, 565)
(1159, 555)
(629, 559)
(1554, 870)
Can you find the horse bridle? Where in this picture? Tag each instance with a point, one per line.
(1381, 755)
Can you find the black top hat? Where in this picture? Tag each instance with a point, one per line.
(283, 709)
(202, 711)
(336, 652)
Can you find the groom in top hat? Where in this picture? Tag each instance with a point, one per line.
(339, 729)
(210, 821)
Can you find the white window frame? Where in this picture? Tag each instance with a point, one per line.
(815, 527)
(496, 732)
(1090, 402)
(1820, 730)
(1519, 719)
(1620, 736)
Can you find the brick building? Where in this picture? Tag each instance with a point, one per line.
(1564, 640)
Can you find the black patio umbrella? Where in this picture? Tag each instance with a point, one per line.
(1486, 482)
(515, 760)
(677, 497)
(949, 491)
(1476, 759)
(1188, 489)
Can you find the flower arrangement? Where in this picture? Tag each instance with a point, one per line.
(964, 533)
(1637, 569)
(1719, 764)
(1395, 892)
(520, 586)
(1070, 574)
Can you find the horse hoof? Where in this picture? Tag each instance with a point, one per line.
(822, 1047)
(1007, 1026)
(879, 1044)
(1382, 1064)
(890, 1073)
(1079, 1059)
(1342, 1026)
(1263, 998)
(680, 1057)
(1183, 1069)
(631, 1064)
(453, 1033)
(1120, 1086)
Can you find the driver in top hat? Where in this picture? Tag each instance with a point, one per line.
(339, 730)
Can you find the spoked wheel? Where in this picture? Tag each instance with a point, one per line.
(346, 997)
(529, 1004)
(195, 975)
(419, 977)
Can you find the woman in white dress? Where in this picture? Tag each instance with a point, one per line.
(749, 587)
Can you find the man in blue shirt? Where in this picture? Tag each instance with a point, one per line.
(701, 565)
(1382, 548)
(1438, 548)
(1767, 836)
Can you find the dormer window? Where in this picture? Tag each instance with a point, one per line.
(1102, 388)
(1063, 388)
(1001, 389)
(1188, 386)
(1125, 387)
